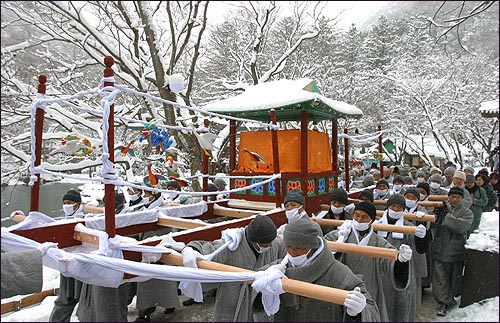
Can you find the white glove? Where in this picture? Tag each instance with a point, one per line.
(404, 253)
(349, 207)
(355, 302)
(233, 236)
(43, 247)
(189, 256)
(420, 214)
(280, 267)
(269, 284)
(420, 231)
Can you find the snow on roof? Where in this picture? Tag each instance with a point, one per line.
(276, 94)
(489, 109)
(485, 237)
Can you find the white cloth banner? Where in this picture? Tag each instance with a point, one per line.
(98, 221)
(185, 211)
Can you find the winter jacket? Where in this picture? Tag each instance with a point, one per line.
(449, 233)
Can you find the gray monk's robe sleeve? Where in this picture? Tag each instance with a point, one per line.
(21, 273)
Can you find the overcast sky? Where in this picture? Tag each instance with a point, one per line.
(355, 11)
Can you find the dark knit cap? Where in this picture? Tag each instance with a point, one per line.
(413, 191)
(212, 188)
(425, 186)
(469, 178)
(340, 195)
(367, 207)
(368, 194)
(398, 179)
(261, 229)
(436, 177)
(119, 199)
(456, 190)
(296, 196)
(382, 181)
(174, 184)
(302, 233)
(73, 195)
(396, 199)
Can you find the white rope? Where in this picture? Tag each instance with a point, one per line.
(362, 138)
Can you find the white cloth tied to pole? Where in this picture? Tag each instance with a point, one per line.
(232, 238)
(269, 284)
(185, 211)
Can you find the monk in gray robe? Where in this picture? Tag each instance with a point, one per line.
(21, 273)
(360, 231)
(310, 260)
(401, 300)
(258, 247)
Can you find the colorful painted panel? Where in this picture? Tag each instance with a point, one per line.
(271, 188)
(293, 184)
(311, 187)
(238, 183)
(322, 185)
(259, 190)
(331, 184)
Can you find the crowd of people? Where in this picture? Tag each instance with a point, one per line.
(379, 289)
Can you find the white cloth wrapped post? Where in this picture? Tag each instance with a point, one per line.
(269, 284)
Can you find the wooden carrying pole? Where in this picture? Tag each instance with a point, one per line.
(322, 293)
(376, 226)
(421, 203)
(292, 286)
(27, 301)
(407, 216)
(376, 252)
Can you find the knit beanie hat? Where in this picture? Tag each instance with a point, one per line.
(368, 180)
(368, 194)
(449, 170)
(382, 181)
(404, 172)
(425, 170)
(73, 195)
(174, 184)
(302, 233)
(435, 169)
(412, 169)
(119, 200)
(469, 168)
(408, 179)
(368, 208)
(261, 229)
(396, 199)
(425, 186)
(456, 190)
(340, 195)
(419, 174)
(459, 174)
(413, 191)
(398, 179)
(212, 188)
(220, 183)
(469, 178)
(296, 196)
(436, 177)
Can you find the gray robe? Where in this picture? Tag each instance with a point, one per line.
(103, 304)
(371, 269)
(324, 270)
(234, 300)
(21, 273)
(401, 301)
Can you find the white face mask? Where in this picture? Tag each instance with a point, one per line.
(299, 261)
(423, 197)
(395, 215)
(420, 179)
(336, 210)
(360, 226)
(69, 209)
(133, 197)
(382, 192)
(410, 203)
(292, 214)
(262, 249)
(397, 187)
(435, 186)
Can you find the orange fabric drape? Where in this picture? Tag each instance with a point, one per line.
(258, 144)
